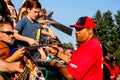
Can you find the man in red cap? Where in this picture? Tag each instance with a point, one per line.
(86, 61)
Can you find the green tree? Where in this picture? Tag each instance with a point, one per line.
(101, 30)
(106, 30)
(117, 18)
(111, 31)
(66, 45)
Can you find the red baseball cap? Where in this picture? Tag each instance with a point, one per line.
(84, 22)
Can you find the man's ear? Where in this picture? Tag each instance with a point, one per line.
(28, 10)
(90, 30)
(1, 18)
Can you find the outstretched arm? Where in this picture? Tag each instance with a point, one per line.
(48, 34)
(42, 53)
(16, 55)
(62, 69)
(10, 67)
(30, 41)
(58, 54)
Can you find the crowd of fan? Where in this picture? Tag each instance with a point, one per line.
(29, 28)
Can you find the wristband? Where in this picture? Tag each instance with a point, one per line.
(57, 66)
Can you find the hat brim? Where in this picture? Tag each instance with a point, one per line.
(77, 26)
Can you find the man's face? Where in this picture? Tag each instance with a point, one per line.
(33, 13)
(6, 34)
(82, 35)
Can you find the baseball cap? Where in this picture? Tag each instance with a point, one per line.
(84, 22)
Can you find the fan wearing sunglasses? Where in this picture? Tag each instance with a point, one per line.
(6, 39)
(6, 36)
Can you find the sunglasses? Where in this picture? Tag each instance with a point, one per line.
(7, 32)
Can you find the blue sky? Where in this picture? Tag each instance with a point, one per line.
(68, 11)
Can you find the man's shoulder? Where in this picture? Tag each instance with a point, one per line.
(93, 41)
(92, 44)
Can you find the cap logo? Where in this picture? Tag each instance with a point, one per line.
(79, 21)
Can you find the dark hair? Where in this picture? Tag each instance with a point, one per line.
(3, 9)
(113, 58)
(60, 45)
(32, 4)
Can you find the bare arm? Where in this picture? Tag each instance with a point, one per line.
(16, 55)
(43, 21)
(58, 54)
(62, 69)
(63, 57)
(30, 41)
(49, 29)
(10, 67)
(48, 34)
(42, 53)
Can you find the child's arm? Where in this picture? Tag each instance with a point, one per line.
(42, 53)
(43, 21)
(30, 41)
(48, 34)
(49, 29)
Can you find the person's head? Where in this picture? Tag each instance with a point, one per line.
(6, 32)
(85, 29)
(113, 60)
(20, 13)
(61, 48)
(33, 8)
(68, 52)
(105, 56)
(42, 13)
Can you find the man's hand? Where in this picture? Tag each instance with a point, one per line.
(52, 50)
(19, 53)
(15, 67)
(32, 42)
(11, 66)
(16, 55)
